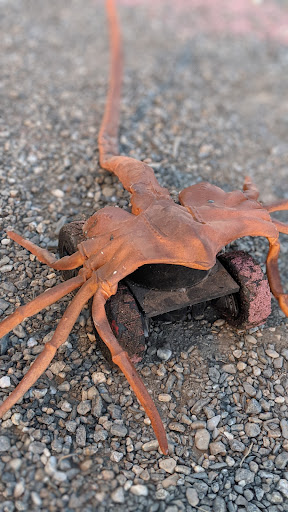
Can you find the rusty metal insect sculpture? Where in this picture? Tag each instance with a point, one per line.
(157, 231)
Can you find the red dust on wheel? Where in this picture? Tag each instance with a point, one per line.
(251, 306)
(126, 323)
(122, 311)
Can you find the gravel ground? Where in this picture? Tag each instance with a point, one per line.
(198, 105)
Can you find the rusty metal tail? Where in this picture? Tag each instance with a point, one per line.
(108, 134)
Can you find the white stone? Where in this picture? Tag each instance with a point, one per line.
(150, 446)
(57, 193)
(168, 465)
(15, 418)
(164, 353)
(139, 490)
(202, 438)
(5, 382)
(19, 489)
(213, 422)
(164, 397)
(241, 366)
(118, 495)
(98, 377)
(198, 469)
(256, 371)
(57, 367)
(32, 342)
(219, 322)
(272, 353)
(251, 339)
(229, 368)
(279, 400)
(116, 456)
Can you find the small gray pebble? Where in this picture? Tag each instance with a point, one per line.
(192, 496)
(81, 435)
(281, 460)
(116, 456)
(19, 332)
(275, 497)
(118, 430)
(5, 443)
(100, 435)
(249, 495)
(219, 505)
(253, 508)
(282, 486)
(284, 428)
(97, 407)
(213, 422)
(214, 374)
(4, 344)
(217, 447)
(37, 447)
(244, 474)
(4, 304)
(249, 389)
(252, 429)
(71, 426)
(202, 438)
(237, 446)
(229, 368)
(253, 406)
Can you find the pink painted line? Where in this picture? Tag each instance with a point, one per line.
(261, 19)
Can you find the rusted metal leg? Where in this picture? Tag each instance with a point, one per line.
(276, 206)
(250, 190)
(274, 275)
(42, 301)
(61, 334)
(136, 177)
(122, 360)
(281, 226)
(44, 256)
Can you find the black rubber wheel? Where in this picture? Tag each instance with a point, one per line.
(251, 306)
(126, 323)
(122, 310)
(70, 236)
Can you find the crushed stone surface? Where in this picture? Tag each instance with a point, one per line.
(197, 105)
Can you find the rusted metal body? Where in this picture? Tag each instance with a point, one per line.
(157, 231)
(236, 287)
(158, 301)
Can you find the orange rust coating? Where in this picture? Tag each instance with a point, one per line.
(42, 301)
(156, 231)
(44, 256)
(121, 358)
(61, 334)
